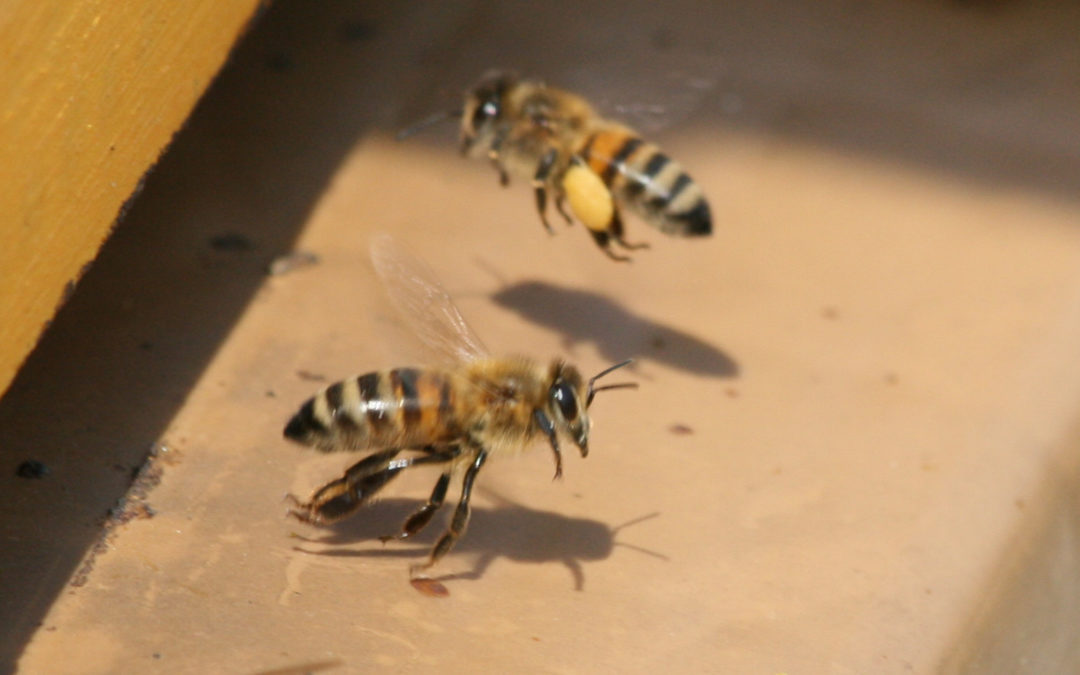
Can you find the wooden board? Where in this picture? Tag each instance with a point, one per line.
(91, 94)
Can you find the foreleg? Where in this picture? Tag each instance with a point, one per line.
(546, 425)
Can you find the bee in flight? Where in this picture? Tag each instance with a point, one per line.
(457, 416)
(573, 154)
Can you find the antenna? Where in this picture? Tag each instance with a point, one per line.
(621, 385)
(428, 121)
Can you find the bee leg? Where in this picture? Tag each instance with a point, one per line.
(422, 517)
(540, 180)
(504, 178)
(343, 496)
(561, 208)
(548, 427)
(616, 229)
(460, 520)
(603, 240)
(594, 205)
(494, 154)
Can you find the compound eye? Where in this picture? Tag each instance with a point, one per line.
(564, 397)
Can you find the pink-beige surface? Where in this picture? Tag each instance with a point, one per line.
(854, 445)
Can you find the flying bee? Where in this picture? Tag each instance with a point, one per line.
(573, 154)
(456, 416)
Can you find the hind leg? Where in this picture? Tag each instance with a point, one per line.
(615, 227)
(603, 240)
(594, 205)
(340, 498)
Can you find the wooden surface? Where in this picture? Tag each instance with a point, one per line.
(854, 448)
(90, 94)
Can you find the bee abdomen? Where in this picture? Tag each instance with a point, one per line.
(652, 184)
(402, 407)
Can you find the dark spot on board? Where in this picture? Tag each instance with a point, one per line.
(681, 429)
(231, 242)
(32, 468)
(830, 313)
(309, 376)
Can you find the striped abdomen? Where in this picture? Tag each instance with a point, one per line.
(649, 182)
(399, 408)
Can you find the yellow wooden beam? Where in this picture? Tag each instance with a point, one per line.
(91, 91)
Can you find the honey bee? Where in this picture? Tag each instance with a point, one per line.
(456, 416)
(573, 154)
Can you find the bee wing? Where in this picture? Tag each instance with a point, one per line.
(661, 98)
(422, 301)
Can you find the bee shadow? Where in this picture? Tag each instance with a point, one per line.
(508, 530)
(583, 316)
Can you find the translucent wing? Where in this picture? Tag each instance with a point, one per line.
(422, 301)
(660, 98)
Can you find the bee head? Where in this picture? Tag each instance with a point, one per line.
(483, 109)
(567, 408)
(569, 397)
